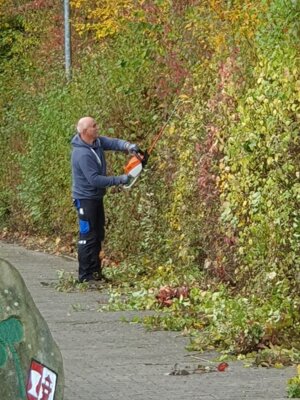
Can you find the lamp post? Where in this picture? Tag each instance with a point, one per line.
(67, 40)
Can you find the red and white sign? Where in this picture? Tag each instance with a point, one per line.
(41, 382)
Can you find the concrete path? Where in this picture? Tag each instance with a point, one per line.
(106, 359)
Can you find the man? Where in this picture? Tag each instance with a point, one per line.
(89, 187)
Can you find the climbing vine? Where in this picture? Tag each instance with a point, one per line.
(215, 216)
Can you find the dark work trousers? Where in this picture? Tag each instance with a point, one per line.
(91, 220)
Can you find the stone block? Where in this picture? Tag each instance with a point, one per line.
(31, 366)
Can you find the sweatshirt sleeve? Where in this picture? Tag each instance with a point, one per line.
(89, 170)
(114, 144)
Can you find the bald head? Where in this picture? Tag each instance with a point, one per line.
(84, 123)
(88, 129)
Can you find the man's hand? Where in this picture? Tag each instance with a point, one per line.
(123, 179)
(133, 148)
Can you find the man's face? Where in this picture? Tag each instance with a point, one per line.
(92, 130)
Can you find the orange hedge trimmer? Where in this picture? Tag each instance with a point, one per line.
(135, 165)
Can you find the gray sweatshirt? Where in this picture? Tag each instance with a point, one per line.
(89, 166)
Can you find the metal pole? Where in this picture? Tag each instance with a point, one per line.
(67, 40)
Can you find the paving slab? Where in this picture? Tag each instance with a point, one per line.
(107, 359)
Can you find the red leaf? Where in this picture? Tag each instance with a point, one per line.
(221, 367)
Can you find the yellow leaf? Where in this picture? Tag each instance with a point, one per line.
(172, 129)
(278, 365)
(183, 97)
